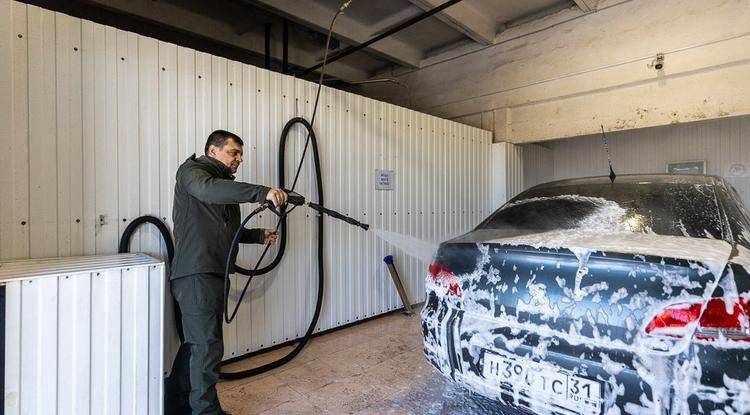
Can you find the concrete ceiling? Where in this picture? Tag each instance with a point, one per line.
(503, 12)
(236, 28)
(465, 24)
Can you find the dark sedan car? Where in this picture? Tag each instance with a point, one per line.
(586, 296)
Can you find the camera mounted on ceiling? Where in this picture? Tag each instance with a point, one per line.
(658, 62)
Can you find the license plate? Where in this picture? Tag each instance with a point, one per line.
(543, 384)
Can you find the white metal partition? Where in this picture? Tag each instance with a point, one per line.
(506, 172)
(94, 122)
(84, 335)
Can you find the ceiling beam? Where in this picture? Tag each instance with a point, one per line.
(465, 19)
(394, 20)
(318, 17)
(587, 6)
(223, 34)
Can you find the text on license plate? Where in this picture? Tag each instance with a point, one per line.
(544, 384)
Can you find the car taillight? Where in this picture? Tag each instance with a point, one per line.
(445, 278)
(719, 319)
(673, 317)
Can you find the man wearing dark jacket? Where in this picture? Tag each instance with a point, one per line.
(206, 214)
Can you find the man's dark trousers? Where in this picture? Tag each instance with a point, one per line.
(196, 367)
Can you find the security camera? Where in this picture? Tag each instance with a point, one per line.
(658, 62)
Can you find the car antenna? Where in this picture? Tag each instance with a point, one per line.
(612, 174)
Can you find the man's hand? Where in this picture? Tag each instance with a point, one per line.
(270, 236)
(277, 197)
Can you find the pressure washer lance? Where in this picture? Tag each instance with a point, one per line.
(296, 199)
(293, 198)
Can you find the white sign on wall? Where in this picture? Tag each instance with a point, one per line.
(385, 179)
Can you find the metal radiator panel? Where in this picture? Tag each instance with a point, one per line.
(84, 335)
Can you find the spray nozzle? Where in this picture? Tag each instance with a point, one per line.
(344, 5)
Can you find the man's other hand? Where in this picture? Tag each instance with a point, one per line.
(270, 236)
(277, 197)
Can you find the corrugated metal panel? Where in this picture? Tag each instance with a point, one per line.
(506, 172)
(722, 143)
(538, 163)
(84, 335)
(515, 170)
(112, 114)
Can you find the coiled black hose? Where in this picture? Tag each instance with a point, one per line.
(125, 239)
(284, 234)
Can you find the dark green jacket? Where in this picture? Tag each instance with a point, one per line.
(206, 215)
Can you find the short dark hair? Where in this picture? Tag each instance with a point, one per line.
(219, 137)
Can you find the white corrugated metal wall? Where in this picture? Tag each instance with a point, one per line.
(722, 143)
(506, 172)
(83, 335)
(94, 122)
(538, 165)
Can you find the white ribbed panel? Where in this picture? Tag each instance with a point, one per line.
(722, 143)
(507, 172)
(110, 115)
(538, 164)
(84, 335)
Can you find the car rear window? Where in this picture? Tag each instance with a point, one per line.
(678, 209)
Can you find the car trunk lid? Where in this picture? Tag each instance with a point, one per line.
(601, 288)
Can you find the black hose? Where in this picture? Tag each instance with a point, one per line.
(124, 248)
(283, 236)
(128, 232)
(282, 217)
(228, 267)
(125, 240)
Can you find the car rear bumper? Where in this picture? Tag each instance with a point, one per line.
(456, 341)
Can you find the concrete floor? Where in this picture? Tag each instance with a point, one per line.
(376, 367)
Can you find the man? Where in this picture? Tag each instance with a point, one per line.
(206, 215)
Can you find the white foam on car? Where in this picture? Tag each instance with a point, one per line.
(604, 231)
(711, 252)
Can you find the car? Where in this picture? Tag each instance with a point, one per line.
(591, 296)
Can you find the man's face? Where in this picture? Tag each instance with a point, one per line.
(230, 154)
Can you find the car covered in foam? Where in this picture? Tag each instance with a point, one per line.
(590, 296)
